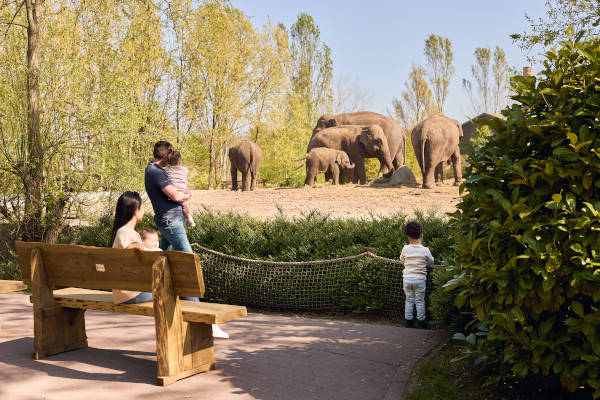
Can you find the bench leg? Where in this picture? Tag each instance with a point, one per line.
(182, 348)
(56, 329)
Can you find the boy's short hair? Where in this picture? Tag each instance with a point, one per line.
(413, 230)
(145, 232)
(174, 157)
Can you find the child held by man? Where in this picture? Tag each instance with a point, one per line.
(177, 174)
(415, 258)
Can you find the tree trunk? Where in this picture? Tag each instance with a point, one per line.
(33, 173)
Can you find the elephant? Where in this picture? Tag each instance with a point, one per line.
(396, 138)
(359, 142)
(322, 159)
(245, 157)
(434, 141)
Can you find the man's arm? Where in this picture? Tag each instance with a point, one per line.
(134, 245)
(175, 195)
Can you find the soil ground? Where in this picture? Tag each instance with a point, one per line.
(348, 201)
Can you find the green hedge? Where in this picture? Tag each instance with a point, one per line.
(313, 237)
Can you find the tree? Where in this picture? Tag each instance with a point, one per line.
(415, 103)
(438, 52)
(221, 55)
(349, 96)
(94, 69)
(564, 19)
(312, 69)
(491, 74)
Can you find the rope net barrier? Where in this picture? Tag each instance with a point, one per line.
(362, 283)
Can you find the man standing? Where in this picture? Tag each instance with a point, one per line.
(166, 201)
(168, 214)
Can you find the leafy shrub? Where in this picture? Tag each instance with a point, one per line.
(528, 227)
(311, 237)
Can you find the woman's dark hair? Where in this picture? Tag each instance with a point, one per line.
(174, 157)
(127, 204)
(413, 230)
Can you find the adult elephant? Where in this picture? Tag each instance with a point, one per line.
(435, 140)
(396, 138)
(245, 157)
(359, 142)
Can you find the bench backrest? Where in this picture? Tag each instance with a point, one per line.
(105, 268)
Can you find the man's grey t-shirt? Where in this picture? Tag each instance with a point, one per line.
(165, 210)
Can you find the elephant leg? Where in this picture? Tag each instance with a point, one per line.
(311, 176)
(253, 177)
(328, 176)
(398, 160)
(456, 165)
(360, 174)
(439, 173)
(335, 171)
(246, 180)
(429, 167)
(233, 178)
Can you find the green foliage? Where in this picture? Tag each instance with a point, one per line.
(438, 52)
(309, 238)
(528, 227)
(441, 378)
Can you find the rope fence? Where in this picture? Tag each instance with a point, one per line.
(362, 283)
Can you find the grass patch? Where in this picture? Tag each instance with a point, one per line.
(439, 378)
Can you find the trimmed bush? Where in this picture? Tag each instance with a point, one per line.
(528, 227)
(309, 238)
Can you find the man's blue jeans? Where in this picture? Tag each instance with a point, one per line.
(174, 237)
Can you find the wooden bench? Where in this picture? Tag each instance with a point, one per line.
(11, 286)
(184, 340)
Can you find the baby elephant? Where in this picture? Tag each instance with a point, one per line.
(322, 159)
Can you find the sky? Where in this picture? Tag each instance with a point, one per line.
(376, 42)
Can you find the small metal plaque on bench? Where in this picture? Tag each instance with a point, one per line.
(100, 268)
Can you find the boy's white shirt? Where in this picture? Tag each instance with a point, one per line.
(416, 258)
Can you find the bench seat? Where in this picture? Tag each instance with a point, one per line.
(192, 311)
(11, 286)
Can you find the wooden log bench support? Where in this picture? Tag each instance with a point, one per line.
(184, 340)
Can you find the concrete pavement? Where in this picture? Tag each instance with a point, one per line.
(269, 357)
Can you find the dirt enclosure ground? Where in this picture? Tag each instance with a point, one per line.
(346, 201)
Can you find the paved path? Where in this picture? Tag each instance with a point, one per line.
(269, 357)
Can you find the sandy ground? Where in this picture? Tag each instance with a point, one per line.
(348, 201)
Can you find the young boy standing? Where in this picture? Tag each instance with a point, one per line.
(415, 258)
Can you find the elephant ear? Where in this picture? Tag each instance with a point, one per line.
(460, 130)
(338, 159)
(365, 135)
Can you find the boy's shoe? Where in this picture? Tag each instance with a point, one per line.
(422, 324)
(409, 323)
(191, 222)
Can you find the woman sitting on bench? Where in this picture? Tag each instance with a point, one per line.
(128, 213)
